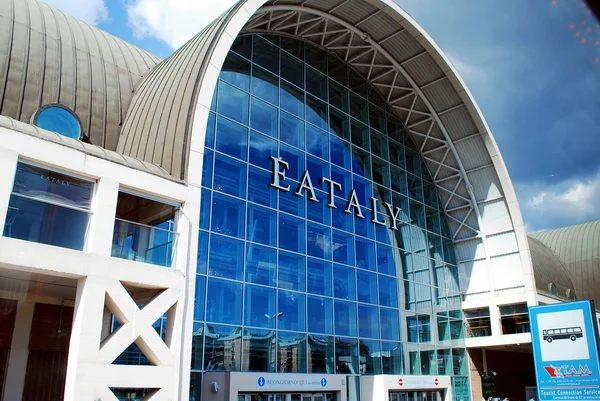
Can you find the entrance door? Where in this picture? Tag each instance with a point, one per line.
(287, 397)
(416, 395)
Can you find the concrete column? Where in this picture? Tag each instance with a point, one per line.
(103, 217)
(8, 166)
(495, 325)
(19, 352)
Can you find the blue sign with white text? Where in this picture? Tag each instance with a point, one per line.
(565, 350)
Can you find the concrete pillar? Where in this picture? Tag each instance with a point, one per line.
(495, 325)
(103, 218)
(19, 352)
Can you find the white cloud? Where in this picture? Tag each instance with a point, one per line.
(557, 205)
(173, 21)
(91, 11)
(469, 72)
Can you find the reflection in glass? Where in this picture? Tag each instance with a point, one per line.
(346, 355)
(263, 117)
(262, 225)
(226, 257)
(265, 85)
(319, 277)
(290, 311)
(291, 271)
(224, 302)
(233, 103)
(259, 307)
(370, 357)
(228, 216)
(320, 354)
(291, 352)
(320, 316)
(391, 357)
(258, 351)
(345, 318)
(222, 348)
(261, 263)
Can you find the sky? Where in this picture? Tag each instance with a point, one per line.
(532, 66)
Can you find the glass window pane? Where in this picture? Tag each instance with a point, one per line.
(318, 239)
(209, 139)
(261, 150)
(207, 168)
(317, 142)
(222, 348)
(226, 257)
(357, 83)
(202, 252)
(370, 357)
(385, 260)
(291, 203)
(265, 54)
(376, 117)
(291, 352)
(292, 99)
(346, 355)
(197, 348)
(359, 108)
(291, 310)
(263, 117)
(233, 103)
(265, 85)
(368, 321)
(390, 324)
(361, 163)
(320, 348)
(261, 263)
(259, 355)
(337, 69)
(340, 154)
(316, 83)
(345, 318)
(291, 130)
(262, 225)
(259, 307)
(236, 71)
(291, 234)
(224, 302)
(295, 159)
(319, 277)
(343, 247)
(388, 291)
(319, 211)
(316, 58)
(317, 169)
(205, 203)
(365, 254)
(316, 112)
(320, 315)
(230, 176)
(291, 272)
(292, 69)
(344, 284)
(259, 190)
(338, 96)
(367, 287)
(341, 219)
(381, 173)
(228, 216)
(391, 357)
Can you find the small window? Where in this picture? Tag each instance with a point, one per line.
(144, 230)
(515, 319)
(49, 207)
(59, 119)
(478, 322)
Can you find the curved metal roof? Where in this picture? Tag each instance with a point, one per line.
(548, 269)
(168, 117)
(48, 57)
(578, 247)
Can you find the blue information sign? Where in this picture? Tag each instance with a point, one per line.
(565, 350)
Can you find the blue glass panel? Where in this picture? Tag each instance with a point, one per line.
(295, 158)
(261, 263)
(44, 223)
(361, 163)
(341, 219)
(320, 349)
(228, 216)
(382, 232)
(318, 241)
(263, 117)
(395, 129)
(265, 85)
(226, 257)
(317, 142)
(230, 176)
(390, 324)
(413, 162)
(236, 71)
(346, 355)
(205, 202)
(391, 359)
(337, 69)
(345, 318)
(258, 355)
(343, 247)
(317, 112)
(317, 169)
(291, 130)
(291, 271)
(222, 347)
(224, 302)
(368, 321)
(292, 69)
(233, 103)
(265, 54)
(319, 277)
(207, 168)
(385, 260)
(377, 118)
(340, 153)
(259, 307)
(388, 291)
(261, 149)
(199, 297)
(359, 108)
(319, 211)
(398, 180)
(370, 357)
(344, 178)
(415, 190)
(367, 286)
(417, 214)
(209, 139)
(291, 307)
(291, 352)
(365, 228)
(364, 191)
(202, 257)
(338, 96)
(232, 138)
(290, 202)
(320, 316)
(316, 83)
(344, 283)
(60, 120)
(262, 225)
(259, 190)
(365, 254)
(381, 173)
(379, 146)
(292, 99)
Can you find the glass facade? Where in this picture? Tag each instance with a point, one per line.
(351, 270)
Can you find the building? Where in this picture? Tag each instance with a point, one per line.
(303, 202)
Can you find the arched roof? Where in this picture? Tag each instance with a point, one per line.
(549, 269)
(578, 247)
(48, 57)
(168, 117)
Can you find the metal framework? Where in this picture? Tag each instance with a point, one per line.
(405, 96)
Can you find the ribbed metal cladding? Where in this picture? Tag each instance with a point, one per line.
(578, 247)
(48, 57)
(548, 269)
(159, 121)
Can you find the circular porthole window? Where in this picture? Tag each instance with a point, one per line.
(59, 119)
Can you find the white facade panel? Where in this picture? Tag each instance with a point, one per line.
(502, 244)
(507, 271)
(494, 215)
(474, 277)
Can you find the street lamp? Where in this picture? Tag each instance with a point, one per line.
(274, 316)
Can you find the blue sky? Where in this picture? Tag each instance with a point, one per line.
(532, 66)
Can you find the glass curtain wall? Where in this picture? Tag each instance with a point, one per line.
(290, 284)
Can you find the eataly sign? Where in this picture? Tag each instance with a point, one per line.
(279, 166)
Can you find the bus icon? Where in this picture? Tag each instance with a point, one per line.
(572, 333)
